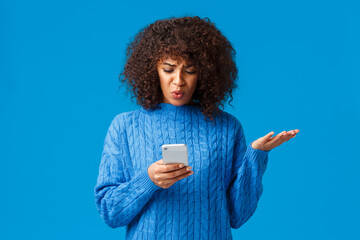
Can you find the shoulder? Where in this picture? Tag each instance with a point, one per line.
(120, 120)
(120, 117)
(231, 120)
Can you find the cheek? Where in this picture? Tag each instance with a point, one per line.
(162, 79)
(164, 83)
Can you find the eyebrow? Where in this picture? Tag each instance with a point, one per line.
(165, 63)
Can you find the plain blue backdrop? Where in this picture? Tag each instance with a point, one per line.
(298, 67)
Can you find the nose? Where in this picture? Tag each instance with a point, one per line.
(178, 79)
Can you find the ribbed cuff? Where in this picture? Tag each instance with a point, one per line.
(260, 155)
(146, 183)
(257, 153)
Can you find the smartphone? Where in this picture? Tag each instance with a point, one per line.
(175, 153)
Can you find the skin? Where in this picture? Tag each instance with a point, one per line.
(174, 76)
(266, 143)
(165, 175)
(183, 76)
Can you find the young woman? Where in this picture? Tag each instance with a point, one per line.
(181, 70)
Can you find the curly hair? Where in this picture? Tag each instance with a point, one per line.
(193, 39)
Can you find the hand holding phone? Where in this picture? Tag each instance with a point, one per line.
(172, 168)
(165, 175)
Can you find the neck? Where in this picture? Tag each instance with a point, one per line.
(190, 103)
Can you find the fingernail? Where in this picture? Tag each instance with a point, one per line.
(181, 165)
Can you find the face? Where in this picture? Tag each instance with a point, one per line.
(178, 81)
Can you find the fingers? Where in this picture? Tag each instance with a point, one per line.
(285, 134)
(170, 182)
(174, 174)
(279, 136)
(268, 136)
(292, 133)
(168, 167)
(282, 137)
(165, 175)
(182, 176)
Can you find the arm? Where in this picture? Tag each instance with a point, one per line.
(245, 188)
(118, 201)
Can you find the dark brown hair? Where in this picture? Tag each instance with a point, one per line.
(192, 38)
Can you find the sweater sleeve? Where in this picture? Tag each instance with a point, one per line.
(117, 200)
(246, 187)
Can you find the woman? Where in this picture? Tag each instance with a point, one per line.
(181, 70)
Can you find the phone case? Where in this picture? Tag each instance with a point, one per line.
(175, 153)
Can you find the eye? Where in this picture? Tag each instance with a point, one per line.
(171, 70)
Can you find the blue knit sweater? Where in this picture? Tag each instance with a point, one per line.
(222, 193)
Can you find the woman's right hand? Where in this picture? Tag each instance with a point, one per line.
(165, 175)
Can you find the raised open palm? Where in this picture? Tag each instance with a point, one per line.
(267, 142)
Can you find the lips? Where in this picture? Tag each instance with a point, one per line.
(178, 92)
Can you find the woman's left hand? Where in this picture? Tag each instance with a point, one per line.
(267, 142)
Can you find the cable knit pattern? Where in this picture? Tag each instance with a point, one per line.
(223, 192)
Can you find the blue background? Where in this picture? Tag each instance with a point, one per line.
(298, 68)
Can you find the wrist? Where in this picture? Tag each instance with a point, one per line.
(255, 146)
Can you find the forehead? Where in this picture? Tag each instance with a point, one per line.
(174, 60)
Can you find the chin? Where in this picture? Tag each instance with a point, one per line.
(178, 103)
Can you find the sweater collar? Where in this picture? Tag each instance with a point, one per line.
(169, 106)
